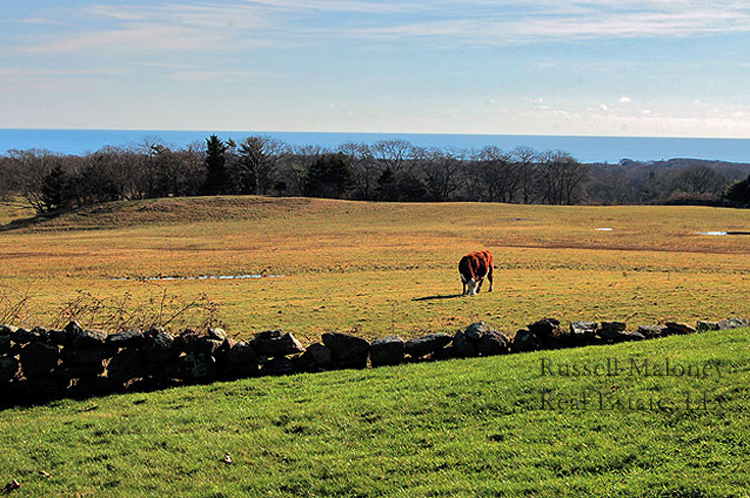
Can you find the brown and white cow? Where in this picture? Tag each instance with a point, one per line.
(473, 268)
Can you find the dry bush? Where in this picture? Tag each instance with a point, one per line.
(117, 313)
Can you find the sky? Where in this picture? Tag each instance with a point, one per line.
(550, 67)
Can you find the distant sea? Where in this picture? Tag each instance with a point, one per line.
(585, 149)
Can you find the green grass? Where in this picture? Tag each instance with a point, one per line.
(460, 428)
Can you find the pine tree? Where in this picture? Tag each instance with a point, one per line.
(739, 192)
(55, 190)
(331, 175)
(217, 179)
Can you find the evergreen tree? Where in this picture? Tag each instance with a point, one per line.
(55, 190)
(387, 189)
(739, 192)
(217, 179)
(331, 175)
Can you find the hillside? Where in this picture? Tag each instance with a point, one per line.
(458, 428)
(159, 211)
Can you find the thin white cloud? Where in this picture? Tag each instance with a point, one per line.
(11, 72)
(201, 75)
(624, 100)
(240, 24)
(373, 7)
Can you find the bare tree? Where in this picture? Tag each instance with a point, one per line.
(560, 178)
(440, 169)
(526, 160)
(393, 154)
(699, 180)
(32, 167)
(500, 176)
(366, 168)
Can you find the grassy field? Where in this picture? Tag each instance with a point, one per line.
(381, 267)
(473, 427)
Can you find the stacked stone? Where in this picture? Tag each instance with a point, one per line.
(40, 364)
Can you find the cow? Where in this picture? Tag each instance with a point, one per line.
(473, 268)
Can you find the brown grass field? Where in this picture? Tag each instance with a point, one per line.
(377, 267)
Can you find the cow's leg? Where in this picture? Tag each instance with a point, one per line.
(463, 291)
(479, 285)
(489, 277)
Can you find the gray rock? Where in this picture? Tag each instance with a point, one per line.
(217, 334)
(479, 340)
(525, 340)
(39, 358)
(614, 335)
(7, 329)
(279, 365)
(75, 355)
(476, 331)
(578, 329)
(387, 351)
(59, 337)
(447, 353)
(679, 328)
(241, 353)
(273, 343)
(734, 323)
(23, 336)
(462, 346)
(653, 331)
(127, 339)
(579, 334)
(88, 338)
(493, 343)
(161, 348)
(704, 326)
(347, 350)
(70, 371)
(73, 327)
(126, 365)
(417, 348)
(196, 367)
(212, 347)
(546, 328)
(316, 357)
(188, 341)
(9, 367)
(614, 326)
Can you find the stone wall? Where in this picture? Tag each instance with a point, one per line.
(42, 364)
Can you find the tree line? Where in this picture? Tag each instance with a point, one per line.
(389, 170)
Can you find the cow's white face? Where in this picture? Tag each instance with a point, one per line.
(471, 287)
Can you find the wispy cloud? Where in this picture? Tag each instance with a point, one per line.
(241, 24)
(569, 23)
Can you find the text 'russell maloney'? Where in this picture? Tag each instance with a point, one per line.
(631, 367)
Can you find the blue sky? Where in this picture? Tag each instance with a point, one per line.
(561, 67)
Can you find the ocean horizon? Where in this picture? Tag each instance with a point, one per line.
(587, 149)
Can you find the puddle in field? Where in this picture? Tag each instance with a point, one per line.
(604, 229)
(201, 277)
(722, 233)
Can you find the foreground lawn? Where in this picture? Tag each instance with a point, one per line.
(380, 267)
(473, 427)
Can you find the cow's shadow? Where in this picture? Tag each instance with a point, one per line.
(437, 297)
